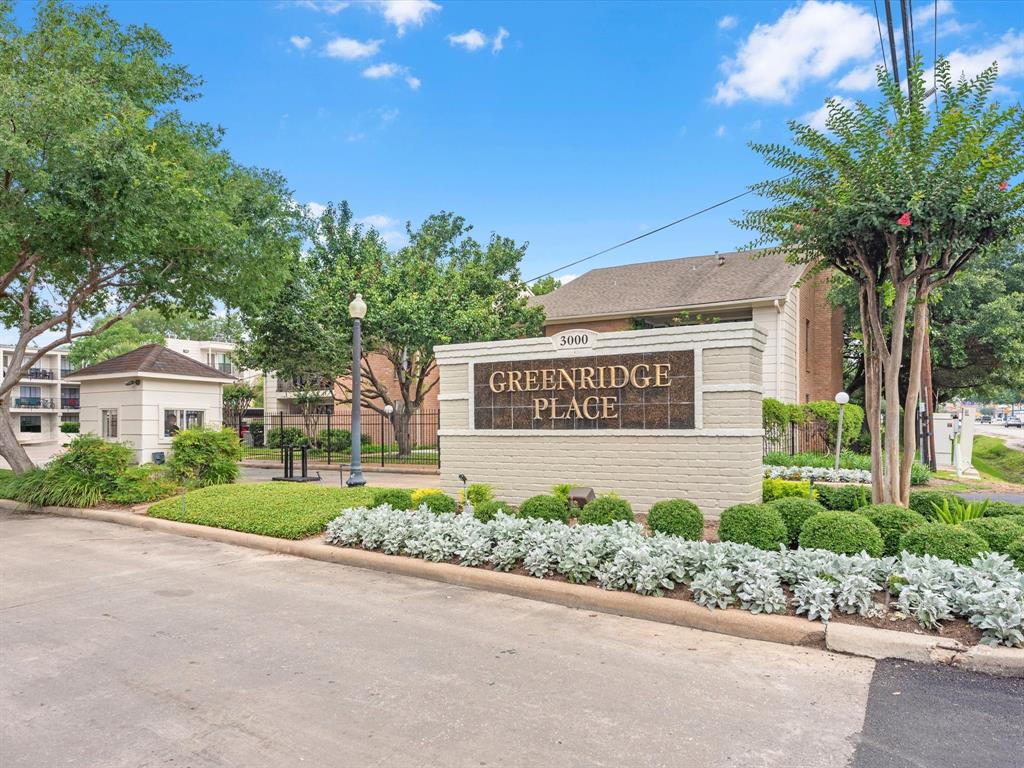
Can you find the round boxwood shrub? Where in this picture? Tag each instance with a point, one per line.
(794, 513)
(846, 533)
(486, 511)
(755, 524)
(1003, 508)
(921, 501)
(950, 542)
(546, 507)
(604, 510)
(676, 517)
(439, 503)
(998, 532)
(892, 521)
(1016, 552)
(397, 498)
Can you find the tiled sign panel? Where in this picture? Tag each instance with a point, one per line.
(645, 390)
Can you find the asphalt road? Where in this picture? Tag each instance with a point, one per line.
(122, 647)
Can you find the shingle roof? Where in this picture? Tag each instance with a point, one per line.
(672, 284)
(150, 358)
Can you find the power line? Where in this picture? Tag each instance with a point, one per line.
(892, 42)
(881, 45)
(645, 234)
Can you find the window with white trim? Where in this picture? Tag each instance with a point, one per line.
(177, 419)
(108, 420)
(32, 424)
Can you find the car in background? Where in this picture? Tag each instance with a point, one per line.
(984, 419)
(1014, 421)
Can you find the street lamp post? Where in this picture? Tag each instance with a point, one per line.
(842, 399)
(357, 311)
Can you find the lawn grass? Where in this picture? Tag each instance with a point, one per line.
(284, 510)
(992, 457)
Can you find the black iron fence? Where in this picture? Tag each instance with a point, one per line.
(811, 436)
(328, 436)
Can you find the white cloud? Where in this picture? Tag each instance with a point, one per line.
(816, 119)
(407, 13)
(302, 43)
(499, 40)
(720, 131)
(473, 40)
(388, 70)
(316, 210)
(925, 13)
(378, 221)
(754, 125)
(389, 229)
(728, 22)
(330, 7)
(350, 50)
(809, 42)
(567, 278)
(859, 78)
(1009, 52)
(388, 115)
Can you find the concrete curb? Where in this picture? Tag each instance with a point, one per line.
(776, 629)
(923, 649)
(835, 636)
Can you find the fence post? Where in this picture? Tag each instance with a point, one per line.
(280, 418)
(329, 437)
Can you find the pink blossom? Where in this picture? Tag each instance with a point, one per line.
(1003, 186)
(798, 227)
(904, 220)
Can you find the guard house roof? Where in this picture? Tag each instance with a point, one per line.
(152, 359)
(672, 285)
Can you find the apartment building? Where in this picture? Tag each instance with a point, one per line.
(216, 354)
(44, 398)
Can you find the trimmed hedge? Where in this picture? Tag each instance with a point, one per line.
(845, 533)
(205, 457)
(1016, 552)
(794, 513)
(545, 507)
(604, 510)
(419, 493)
(892, 521)
(486, 511)
(397, 498)
(847, 497)
(999, 532)
(951, 542)
(278, 437)
(1003, 508)
(774, 488)
(921, 501)
(676, 517)
(755, 524)
(439, 503)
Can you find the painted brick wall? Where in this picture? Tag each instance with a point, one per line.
(717, 464)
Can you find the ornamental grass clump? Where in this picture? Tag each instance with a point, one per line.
(989, 592)
(545, 507)
(756, 524)
(676, 517)
(794, 513)
(998, 532)
(949, 542)
(892, 521)
(605, 509)
(846, 533)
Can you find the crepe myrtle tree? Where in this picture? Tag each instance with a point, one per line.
(109, 200)
(443, 287)
(898, 200)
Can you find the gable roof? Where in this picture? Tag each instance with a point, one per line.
(151, 358)
(673, 285)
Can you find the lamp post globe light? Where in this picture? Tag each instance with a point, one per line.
(842, 398)
(357, 311)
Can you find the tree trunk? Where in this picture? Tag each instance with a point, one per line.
(872, 404)
(917, 346)
(892, 365)
(401, 421)
(10, 448)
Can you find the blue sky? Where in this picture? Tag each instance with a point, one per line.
(569, 125)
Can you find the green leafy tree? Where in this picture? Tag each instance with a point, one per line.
(899, 201)
(109, 200)
(444, 287)
(238, 398)
(545, 285)
(119, 338)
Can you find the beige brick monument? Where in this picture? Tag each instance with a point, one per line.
(652, 414)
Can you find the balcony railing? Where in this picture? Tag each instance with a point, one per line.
(70, 403)
(37, 373)
(290, 385)
(41, 403)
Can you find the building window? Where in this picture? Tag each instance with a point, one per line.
(32, 424)
(73, 417)
(109, 420)
(177, 419)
